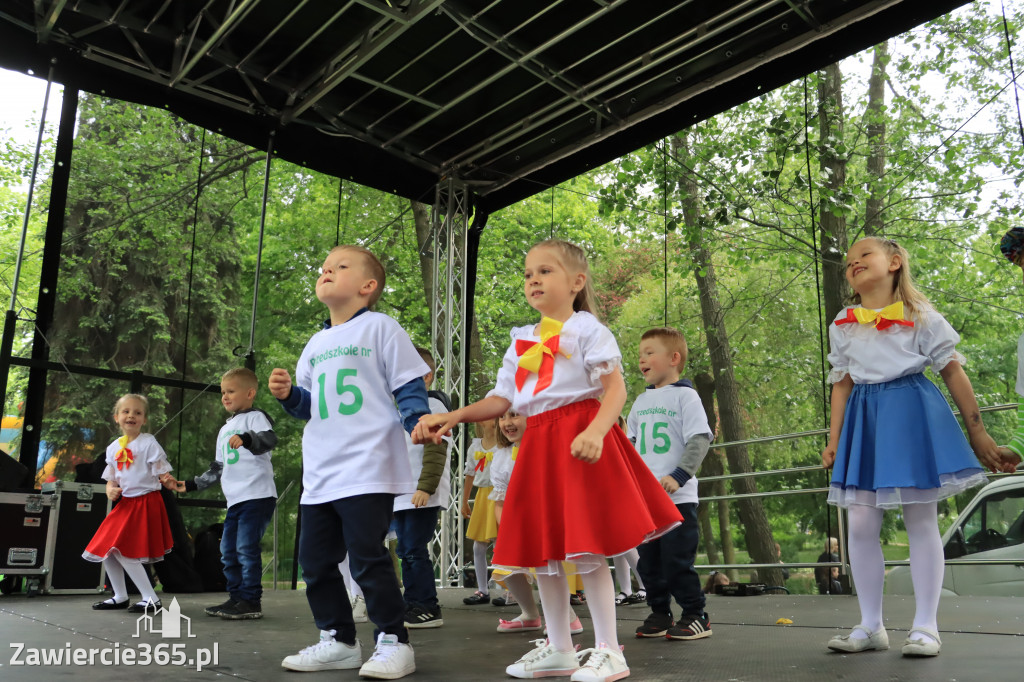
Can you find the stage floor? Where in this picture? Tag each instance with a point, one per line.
(983, 639)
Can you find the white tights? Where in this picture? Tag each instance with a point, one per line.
(116, 567)
(927, 564)
(623, 564)
(554, 600)
(480, 565)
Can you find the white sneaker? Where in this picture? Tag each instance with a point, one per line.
(390, 660)
(359, 610)
(327, 654)
(544, 661)
(605, 664)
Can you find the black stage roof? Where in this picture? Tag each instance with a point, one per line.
(511, 95)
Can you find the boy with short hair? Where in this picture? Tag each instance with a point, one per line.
(415, 524)
(669, 428)
(242, 465)
(349, 378)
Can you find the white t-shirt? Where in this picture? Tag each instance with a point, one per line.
(501, 471)
(475, 454)
(245, 476)
(444, 486)
(871, 356)
(660, 422)
(150, 461)
(353, 443)
(593, 352)
(1020, 365)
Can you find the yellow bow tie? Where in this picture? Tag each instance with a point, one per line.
(881, 319)
(482, 458)
(539, 356)
(515, 452)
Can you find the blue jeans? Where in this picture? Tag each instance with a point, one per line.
(666, 567)
(355, 526)
(415, 528)
(240, 547)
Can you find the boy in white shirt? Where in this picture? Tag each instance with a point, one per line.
(242, 465)
(669, 428)
(348, 381)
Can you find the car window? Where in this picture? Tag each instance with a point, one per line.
(997, 522)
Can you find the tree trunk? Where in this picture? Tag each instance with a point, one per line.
(874, 117)
(713, 465)
(832, 164)
(757, 531)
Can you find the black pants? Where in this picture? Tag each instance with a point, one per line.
(666, 567)
(356, 526)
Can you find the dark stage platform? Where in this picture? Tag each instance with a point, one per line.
(983, 639)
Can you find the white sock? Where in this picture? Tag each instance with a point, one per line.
(115, 574)
(480, 565)
(601, 602)
(137, 572)
(867, 564)
(927, 564)
(555, 601)
(519, 587)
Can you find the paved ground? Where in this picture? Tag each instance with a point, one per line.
(983, 640)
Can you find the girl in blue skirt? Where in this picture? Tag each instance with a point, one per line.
(894, 442)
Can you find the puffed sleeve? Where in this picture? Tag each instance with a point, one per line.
(470, 468)
(839, 341)
(601, 354)
(501, 472)
(505, 384)
(938, 340)
(156, 458)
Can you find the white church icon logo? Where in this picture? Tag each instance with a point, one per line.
(170, 622)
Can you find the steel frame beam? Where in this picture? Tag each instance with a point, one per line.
(449, 337)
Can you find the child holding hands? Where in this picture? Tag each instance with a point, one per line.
(572, 461)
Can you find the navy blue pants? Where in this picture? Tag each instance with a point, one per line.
(415, 528)
(355, 526)
(240, 550)
(666, 566)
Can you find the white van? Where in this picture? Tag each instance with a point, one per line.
(991, 527)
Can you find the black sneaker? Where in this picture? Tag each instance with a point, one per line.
(242, 610)
(656, 625)
(216, 610)
(691, 628)
(418, 617)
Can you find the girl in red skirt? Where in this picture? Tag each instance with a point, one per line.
(136, 531)
(579, 491)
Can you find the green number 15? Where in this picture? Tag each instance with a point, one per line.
(657, 434)
(345, 408)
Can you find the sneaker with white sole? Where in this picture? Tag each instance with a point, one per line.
(544, 661)
(327, 654)
(359, 610)
(604, 664)
(419, 617)
(690, 628)
(391, 659)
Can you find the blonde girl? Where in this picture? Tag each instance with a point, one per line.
(483, 524)
(894, 441)
(136, 531)
(572, 461)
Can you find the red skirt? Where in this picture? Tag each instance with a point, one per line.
(136, 528)
(560, 508)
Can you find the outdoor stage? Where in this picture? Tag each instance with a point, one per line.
(983, 639)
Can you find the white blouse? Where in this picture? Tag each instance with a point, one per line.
(142, 476)
(481, 476)
(593, 353)
(501, 472)
(871, 356)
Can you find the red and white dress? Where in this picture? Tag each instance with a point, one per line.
(136, 529)
(559, 508)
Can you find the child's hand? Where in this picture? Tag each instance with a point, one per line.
(420, 499)
(669, 484)
(168, 482)
(431, 427)
(587, 446)
(179, 486)
(1009, 458)
(828, 455)
(280, 383)
(113, 493)
(235, 441)
(466, 511)
(987, 452)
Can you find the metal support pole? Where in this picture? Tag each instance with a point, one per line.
(48, 278)
(449, 338)
(250, 356)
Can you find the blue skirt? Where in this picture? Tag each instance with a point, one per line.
(901, 444)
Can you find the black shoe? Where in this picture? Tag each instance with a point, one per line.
(477, 597)
(690, 628)
(418, 617)
(577, 599)
(144, 606)
(110, 605)
(507, 600)
(656, 625)
(219, 608)
(242, 610)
